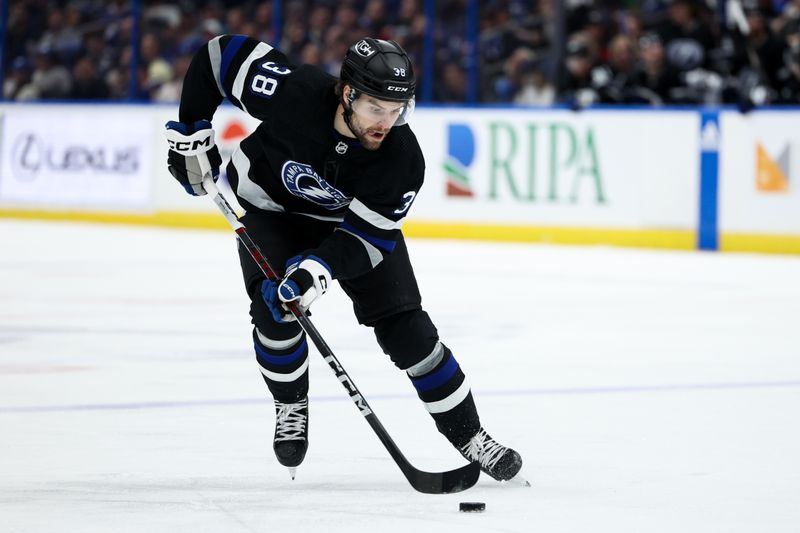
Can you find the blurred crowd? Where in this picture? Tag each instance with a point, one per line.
(743, 52)
(529, 52)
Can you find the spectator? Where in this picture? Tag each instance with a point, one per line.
(170, 91)
(118, 80)
(632, 25)
(576, 83)
(615, 81)
(535, 88)
(765, 50)
(347, 18)
(24, 27)
(687, 37)
(103, 57)
(158, 69)
(18, 85)
(234, 21)
(311, 55)
(789, 78)
(790, 15)
(374, 19)
(62, 38)
(515, 70)
(263, 21)
(336, 43)
(597, 29)
(50, 78)
(318, 23)
(497, 41)
(655, 77)
(294, 39)
(530, 32)
(86, 84)
(453, 86)
(409, 30)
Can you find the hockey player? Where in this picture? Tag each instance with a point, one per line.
(326, 181)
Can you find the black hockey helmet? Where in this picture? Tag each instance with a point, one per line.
(379, 68)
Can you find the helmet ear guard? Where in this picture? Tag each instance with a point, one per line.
(351, 95)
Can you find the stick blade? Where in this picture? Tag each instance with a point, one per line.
(448, 482)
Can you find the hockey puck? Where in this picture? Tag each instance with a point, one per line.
(472, 507)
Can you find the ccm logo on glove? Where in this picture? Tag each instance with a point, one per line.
(193, 146)
(192, 154)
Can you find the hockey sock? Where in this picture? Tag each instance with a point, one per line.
(444, 390)
(284, 365)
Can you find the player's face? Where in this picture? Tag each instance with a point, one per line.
(373, 118)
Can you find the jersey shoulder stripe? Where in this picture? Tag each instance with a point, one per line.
(247, 72)
(259, 51)
(231, 48)
(215, 57)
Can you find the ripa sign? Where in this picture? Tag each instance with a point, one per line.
(545, 167)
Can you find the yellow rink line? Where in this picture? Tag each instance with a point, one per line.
(650, 238)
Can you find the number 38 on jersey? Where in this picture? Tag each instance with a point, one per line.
(265, 82)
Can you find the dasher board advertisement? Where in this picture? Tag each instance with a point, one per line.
(529, 166)
(97, 157)
(760, 173)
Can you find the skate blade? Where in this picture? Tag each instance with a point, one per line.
(519, 480)
(292, 471)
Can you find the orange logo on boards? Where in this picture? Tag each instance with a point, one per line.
(771, 174)
(234, 130)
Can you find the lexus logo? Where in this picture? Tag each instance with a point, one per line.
(32, 155)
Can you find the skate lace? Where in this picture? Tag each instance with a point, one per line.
(484, 449)
(290, 421)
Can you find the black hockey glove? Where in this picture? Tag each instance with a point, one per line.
(307, 278)
(192, 154)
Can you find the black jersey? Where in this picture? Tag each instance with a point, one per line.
(295, 161)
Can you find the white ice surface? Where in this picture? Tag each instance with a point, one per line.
(647, 391)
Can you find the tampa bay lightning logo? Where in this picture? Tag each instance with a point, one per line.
(302, 180)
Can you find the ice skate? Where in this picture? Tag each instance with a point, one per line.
(291, 433)
(501, 463)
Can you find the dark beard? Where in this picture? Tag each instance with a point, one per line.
(361, 134)
(367, 142)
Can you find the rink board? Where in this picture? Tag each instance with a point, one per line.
(606, 176)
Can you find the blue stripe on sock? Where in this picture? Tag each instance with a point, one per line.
(437, 378)
(228, 55)
(281, 359)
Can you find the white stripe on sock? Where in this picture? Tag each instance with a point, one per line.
(273, 344)
(451, 401)
(285, 378)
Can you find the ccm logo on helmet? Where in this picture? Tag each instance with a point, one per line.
(397, 89)
(364, 49)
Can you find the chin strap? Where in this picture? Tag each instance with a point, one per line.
(347, 113)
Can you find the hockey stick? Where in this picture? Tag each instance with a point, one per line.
(427, 482)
